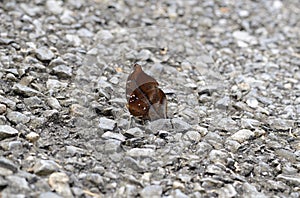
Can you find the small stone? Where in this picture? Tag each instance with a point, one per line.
(73, 150)
(242, 36)
(5, 172)
(53, 103)
(111, 146)
(281, 124)
(250, 191)
(51, 114)
(55, 85)
(217, 156)
(286, 154)
(49, 195)
(154, 191)
(24, 90)
(78, 192)
(5, 163)
(107, 124)
(67, 17)
(11, 104)
(60, 183)
(232, 145)
(252, 102)
(249, 123)
(223, 103)
(293, 179)
(73, 39)
(243, 13)
(45, 167)
(32, 137)
(7, 131)
(15, 145)
(76, 110)
(179, 194)
(192, 136)
(227, 124)
(134, 132)
(144, 55)
(180, 125)
(178, 184)
(44, 54)
(54, 6)
(133, 164)
(2, 108)
(33, 102)
(104, 35)
(112, 135)
(227, 191)
(62, 71)
(141, 152)
(3, 182)
(17, 117)
(158, 125)
(242, 135)
(18, 182)
(83, 32)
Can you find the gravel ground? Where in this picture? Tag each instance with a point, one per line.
(230, 70)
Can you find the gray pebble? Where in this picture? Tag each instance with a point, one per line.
(250, 191)
(218, 156)
(15, 145)
(227, 191)
(192, 136)
(180, 125)
(249, 123)
(107, 124)
(53, 103)
(242, 135)
(179, 194)
(252, 102)
(280, 124)
(154, 191)
(232, 145)
(2, 108)
(33, 102)
(11, 104)
(7, 131)
(54, 85)
(45, 167)
(112, 146)
(223, 103)
(134, 132)
(73, 150)
(60, 183)
(293, 179)
(5, 163)
(141, 152)
(67, 17)
(44, 54)
(158, 125)
(18, 183)
(3, 182)
(112, 135)
(49, 195)
(24, 90)
(63, 71)
(17, 117)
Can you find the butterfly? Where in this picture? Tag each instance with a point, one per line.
(145, 99)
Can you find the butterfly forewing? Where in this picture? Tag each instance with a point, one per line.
(144, 98)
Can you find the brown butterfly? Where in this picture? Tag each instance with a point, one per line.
(145, 99)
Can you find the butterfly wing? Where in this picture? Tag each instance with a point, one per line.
(144, 97)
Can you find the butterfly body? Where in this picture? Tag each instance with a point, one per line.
(145, 99)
